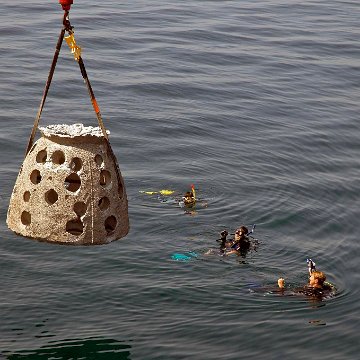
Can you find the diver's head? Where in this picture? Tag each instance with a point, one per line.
(317, 279)
(241, 233)
(188, 198)
(244, 229)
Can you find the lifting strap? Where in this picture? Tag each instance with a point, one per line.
(77, 54)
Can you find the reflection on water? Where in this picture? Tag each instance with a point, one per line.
(92, 348)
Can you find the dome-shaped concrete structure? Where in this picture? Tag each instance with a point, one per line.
(70, 189)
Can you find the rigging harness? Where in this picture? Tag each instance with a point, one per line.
(76, 51)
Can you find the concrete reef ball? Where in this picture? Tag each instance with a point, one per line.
(69, 189)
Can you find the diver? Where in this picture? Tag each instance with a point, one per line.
(165, 195)
(189, 198)
(241, 243)
(317, 287)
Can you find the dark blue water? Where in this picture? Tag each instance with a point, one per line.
(254, 102)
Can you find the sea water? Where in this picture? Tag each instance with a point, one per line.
(256, 103)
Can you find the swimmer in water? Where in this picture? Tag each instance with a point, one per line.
(241, 234)
(241, 243)
(317, 286)
(189, 198)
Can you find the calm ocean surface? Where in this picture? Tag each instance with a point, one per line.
(257, 104)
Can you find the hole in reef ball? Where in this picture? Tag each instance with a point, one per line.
(35, 177)
(80, 208)
(76, 164)
(51, 196)
(75, 227)
(98, 160)
(105, 178)
(27, 196)
(25, 218)
(110, 224)
(73, 182)
(58, 157)
(41, 157)
(104, 203)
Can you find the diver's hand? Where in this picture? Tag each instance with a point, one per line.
(281, 283)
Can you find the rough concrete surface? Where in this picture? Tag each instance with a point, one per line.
(69, 189)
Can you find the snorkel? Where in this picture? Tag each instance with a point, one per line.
(249, 232)
(252, 230)
(193, 192)
(311, 266)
